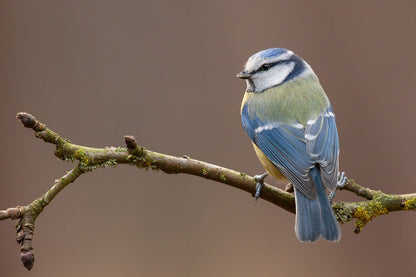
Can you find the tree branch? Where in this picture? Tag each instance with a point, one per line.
(89, 158)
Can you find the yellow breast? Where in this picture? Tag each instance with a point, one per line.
(270, 168)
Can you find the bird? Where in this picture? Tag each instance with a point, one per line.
(291, 124)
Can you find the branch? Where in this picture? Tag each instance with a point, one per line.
(89, 158)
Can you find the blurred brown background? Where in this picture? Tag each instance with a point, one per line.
(164, 71)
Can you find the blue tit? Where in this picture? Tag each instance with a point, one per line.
(291, 123)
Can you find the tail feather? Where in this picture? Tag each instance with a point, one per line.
(315, 218)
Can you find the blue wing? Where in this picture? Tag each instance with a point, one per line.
(294, 149)
(323, 146)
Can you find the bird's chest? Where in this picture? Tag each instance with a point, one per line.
(285, 104)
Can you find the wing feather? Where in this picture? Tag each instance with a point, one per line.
(324, 148)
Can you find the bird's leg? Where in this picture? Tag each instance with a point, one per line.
(260, 183)
(342, 179)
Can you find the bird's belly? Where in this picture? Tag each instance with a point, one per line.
(268, 165)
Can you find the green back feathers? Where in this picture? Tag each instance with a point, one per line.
(295, 101)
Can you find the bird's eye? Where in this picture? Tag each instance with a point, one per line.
(265, 67)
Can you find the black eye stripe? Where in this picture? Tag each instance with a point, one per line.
(270, 65)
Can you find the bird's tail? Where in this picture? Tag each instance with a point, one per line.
(315, 218)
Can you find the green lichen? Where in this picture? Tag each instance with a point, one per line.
(342, 212)
(365, 214)
(36, 207)
(82, 157)
(109, 163)
(153, 166)
(243, 174)
(222, 177)
(145, 163)
(410, 204)
(120, 150)
(204, 171)
(62, 154)
(132, 158)
(91, 167)
(137, 159)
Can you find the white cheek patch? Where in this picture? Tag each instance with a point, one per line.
(273, 77)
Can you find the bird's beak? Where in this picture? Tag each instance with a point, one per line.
(244, 75)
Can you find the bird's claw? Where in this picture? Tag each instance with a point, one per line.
(259, 185)
(342, 179)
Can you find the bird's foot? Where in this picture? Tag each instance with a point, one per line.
(342, 179)
(260, 183)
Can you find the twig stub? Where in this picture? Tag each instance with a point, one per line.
(131, 142)
(29, 121)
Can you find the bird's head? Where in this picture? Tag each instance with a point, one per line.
(273, 67)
